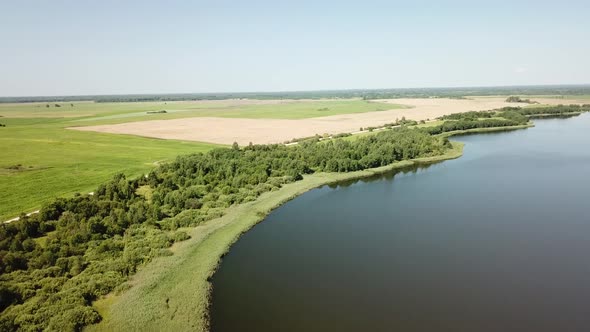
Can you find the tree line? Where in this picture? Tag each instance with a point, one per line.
(504, 117)
(367, 94)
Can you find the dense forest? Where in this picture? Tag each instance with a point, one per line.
(55, 263)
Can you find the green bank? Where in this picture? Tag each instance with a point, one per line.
(172, 293)
(40, 159)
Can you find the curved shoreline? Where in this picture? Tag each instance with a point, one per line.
(174, 292)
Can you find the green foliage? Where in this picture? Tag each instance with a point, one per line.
(472, 115)
(505, 117)
(554, 110)
(516, 99)
(93, 243)
(449, 126)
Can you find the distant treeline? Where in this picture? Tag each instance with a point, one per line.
(368, 94)
(505, 117)
(461, 93)
(516, 99)
(55, 263)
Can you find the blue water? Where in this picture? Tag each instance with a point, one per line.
(497, 240)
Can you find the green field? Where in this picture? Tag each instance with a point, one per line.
(90, 113)
(41, 160)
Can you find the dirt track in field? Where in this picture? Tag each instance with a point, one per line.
(264, 131)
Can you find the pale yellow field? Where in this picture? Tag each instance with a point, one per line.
(264, 131)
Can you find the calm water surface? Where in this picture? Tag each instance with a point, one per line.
(498, 240)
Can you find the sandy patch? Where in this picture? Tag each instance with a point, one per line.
(264, 131)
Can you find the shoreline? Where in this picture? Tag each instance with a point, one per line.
(175, 291)
(160, 284)
(449, 134)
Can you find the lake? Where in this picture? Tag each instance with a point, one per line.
(497, 240)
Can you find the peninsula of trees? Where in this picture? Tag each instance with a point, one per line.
(516, 99)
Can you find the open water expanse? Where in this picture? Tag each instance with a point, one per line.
(497, 240)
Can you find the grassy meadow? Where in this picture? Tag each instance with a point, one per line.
(90, 113)
(40, 159)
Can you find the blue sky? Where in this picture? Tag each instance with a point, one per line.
(117, 47)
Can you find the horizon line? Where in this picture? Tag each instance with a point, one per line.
(299, 91)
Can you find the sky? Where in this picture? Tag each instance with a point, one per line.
(124, 47)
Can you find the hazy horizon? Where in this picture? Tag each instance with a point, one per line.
(66, 48)
(320, 90)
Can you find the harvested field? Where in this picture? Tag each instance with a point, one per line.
(263, 131)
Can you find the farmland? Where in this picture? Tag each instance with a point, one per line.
(41, 159)
(259, 125)
(83, 113)
(48, 159)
